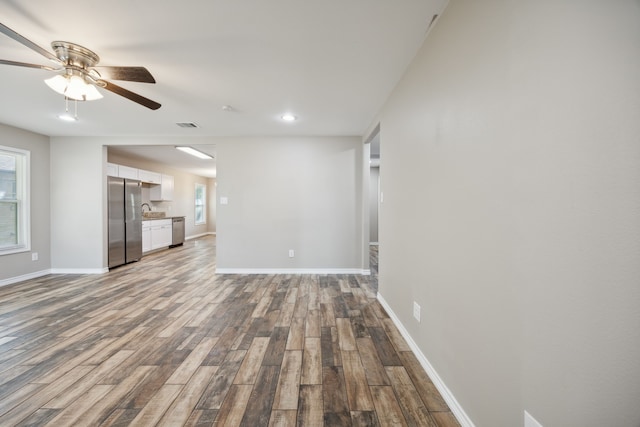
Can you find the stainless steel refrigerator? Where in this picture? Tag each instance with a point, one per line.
(125, 221)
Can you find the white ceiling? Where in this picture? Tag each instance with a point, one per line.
(332, 63)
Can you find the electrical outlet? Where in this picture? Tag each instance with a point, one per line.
(292, 253)
(34, 256)
(416, 311)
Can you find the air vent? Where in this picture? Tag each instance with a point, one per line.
(187, 125)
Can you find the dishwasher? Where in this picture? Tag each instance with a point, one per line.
(178, 231)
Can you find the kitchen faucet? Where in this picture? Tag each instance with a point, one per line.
(147, 205)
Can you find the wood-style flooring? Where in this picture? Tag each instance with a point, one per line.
(166, 341)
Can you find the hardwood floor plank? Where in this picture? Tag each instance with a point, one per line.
(426, 389)
(234, 406)
(295, 341)
(415, 412)
(445, 419)
(192, 362)
(376, 374)
(213, 396)
(311, 362)
(258, 410)
(286, 395)
(387, 407)
(364, 419)
(159, 403)
(394, 335)
(276, 348)
(312, 326)
(346, 337)
(334, 392)
(386, 351)
(280, 418)
(310, 412)
(250, 367)
(180, 411)
(358, 394)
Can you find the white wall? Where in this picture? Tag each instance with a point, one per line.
(20, 264)
(78, 212)
(512, 209)
(290, 193)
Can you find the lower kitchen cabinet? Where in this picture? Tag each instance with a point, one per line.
(156, 234)
(146, 236)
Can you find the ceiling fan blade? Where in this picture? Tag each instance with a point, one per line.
(130, 74)
(128, 94)
(24, 64)
(28, 43)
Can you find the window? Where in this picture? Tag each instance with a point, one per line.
(201, 210)
(14, 200)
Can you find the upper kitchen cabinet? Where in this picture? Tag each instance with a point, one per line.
(149, 177)
(112, 169)
(164, 191)
(127, 172)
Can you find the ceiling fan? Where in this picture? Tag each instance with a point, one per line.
(79, 73)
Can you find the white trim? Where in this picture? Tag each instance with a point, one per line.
(374, 244)
(448, 397)
(529, 421)
(79, 270)
(28, 276)
(320, 271)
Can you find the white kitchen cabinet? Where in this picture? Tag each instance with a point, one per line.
(149, 177)
(161, 233)
(127, 172)
(146, 236)
(164, 191)
(112, 169)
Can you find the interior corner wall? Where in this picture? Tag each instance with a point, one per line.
(288, 193)
(20, 264)
(511, 209)
(78, 209)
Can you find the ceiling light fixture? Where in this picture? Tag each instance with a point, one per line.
(194, 152)
(288, 117)
(73, 86)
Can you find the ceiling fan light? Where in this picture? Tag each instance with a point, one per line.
(58, 83)
(73, 87)
(91, 93)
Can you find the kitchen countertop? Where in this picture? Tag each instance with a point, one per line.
(164, 217)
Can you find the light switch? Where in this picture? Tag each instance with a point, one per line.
(224, 201)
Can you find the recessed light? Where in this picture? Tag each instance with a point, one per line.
(288, 117)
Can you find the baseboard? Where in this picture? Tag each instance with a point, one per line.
(446, 394)
(22, 278)
(319, 271)
(79, 270)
